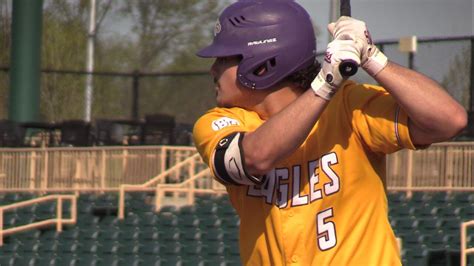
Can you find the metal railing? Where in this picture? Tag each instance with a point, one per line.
(192, 170)
(465, 250)
(59, 221)
(87, 169)
(443, 166)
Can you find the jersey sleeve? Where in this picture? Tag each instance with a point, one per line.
(213, 126)
(377, 118)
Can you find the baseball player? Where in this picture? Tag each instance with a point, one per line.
(300, 149)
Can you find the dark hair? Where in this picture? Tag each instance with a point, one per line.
(305, 76)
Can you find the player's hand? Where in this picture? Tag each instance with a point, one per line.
(347, 28)
(329, 79)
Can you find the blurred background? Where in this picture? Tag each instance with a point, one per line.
(143, 58)
(98, 99)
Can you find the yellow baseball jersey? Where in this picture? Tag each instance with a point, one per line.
(325, 204)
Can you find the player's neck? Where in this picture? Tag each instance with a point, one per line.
(276, 100)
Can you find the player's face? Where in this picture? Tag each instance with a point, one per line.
(229, 92)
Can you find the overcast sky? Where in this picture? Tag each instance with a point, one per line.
(391, 19)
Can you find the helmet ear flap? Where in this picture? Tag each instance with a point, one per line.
(265, 67)
(258, 72)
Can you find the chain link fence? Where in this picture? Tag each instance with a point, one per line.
(187, 95)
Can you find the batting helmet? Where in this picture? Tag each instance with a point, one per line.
(275, 34)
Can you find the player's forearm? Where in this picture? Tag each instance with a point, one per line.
(429, 107)
(282, 134)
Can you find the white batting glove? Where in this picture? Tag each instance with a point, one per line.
(347, 28)
(329, 79)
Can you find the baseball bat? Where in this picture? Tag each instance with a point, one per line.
(349, 67)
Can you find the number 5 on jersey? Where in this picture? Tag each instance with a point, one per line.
(326, 230)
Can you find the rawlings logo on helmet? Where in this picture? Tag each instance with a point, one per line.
(261, 42)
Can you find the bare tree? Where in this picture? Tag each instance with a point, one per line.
(458, 79)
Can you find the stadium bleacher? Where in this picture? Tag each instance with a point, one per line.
(207, 233)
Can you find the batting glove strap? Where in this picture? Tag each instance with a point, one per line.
(375, 63)
(321, 88)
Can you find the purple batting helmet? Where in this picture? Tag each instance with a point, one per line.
(275, 34)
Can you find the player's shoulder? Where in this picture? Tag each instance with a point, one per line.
(218, 118)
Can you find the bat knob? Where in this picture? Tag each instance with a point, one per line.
(348, 68)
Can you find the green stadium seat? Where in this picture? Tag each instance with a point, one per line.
(231, 222)
(148, 219)
(401, 211)
(425, 211)
(150, 236)
(213, 248)
(131, 247)
(463, 198)
(167, 220)
(169, 234)
(70, 234)
(191, 249)
(452, 241)
(185, 211)
(109, 247)
(153, 248)
(233, 250)
(170, 249)
(414, 256)
(110, 234)
(231, 236)
(220, 260)
(169, 209)
(212, 221)
(437, 241)
(108, 220)
(91, 250)
(49, 246)
(9, 248)
(28, 249)
(207, 209)
(470, 240)
(439, 197)
(418, 198)
(396, 198)
(90, 234)
(404, 225)
(88, 221)
(188, 222)
(451, 225)
(51, 234)
(428, 226)
(26, 261)
(212, 235)
(190, 234)
(110, 260)
(466, 213)
(55, 261)
(170, 260)
(32, 235)
(70, 247)
(133, 260)
(411, 239)
(130, 235)
(225, 209)
(447, 210)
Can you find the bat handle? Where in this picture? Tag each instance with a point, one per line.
(348, 68)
